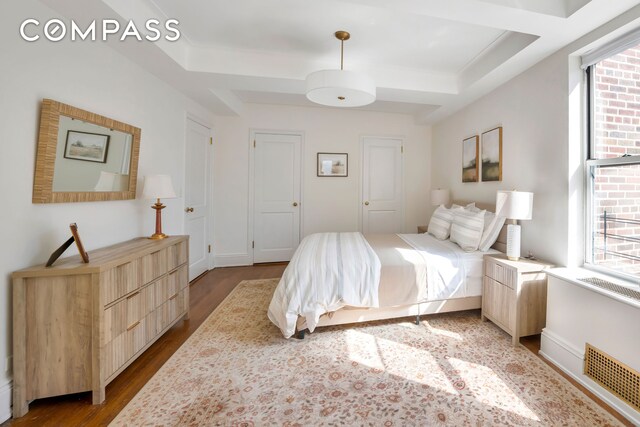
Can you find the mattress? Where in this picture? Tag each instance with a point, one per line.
(419, 267)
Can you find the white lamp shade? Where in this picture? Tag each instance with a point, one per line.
(327, 87)
(440, 197)
(514, 204)
(158, 187)
(110, 181)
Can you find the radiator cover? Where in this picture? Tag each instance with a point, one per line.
(613, 375)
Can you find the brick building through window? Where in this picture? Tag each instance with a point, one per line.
(613, 168)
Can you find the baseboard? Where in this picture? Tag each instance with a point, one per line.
(5, 401)
(570, 360)
(232, 260)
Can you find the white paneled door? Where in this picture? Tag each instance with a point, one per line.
(382, 189)
(197, 187)
(277, 176)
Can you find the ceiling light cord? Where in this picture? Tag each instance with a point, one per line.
(341, 55)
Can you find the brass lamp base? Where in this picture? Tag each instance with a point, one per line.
(158, 235)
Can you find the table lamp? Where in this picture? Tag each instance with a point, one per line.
(440, 197)
(514, 205)
(110, 181)
(158, 187)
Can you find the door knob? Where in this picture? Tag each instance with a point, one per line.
(188, 210)
(366, 203)
(295, 204)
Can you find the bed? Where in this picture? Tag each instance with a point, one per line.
(311, 294)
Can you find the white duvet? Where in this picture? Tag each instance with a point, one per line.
(327, 272)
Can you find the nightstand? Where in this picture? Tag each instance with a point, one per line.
(514, 295)
(422, 229)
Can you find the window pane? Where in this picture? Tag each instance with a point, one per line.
(616, 218)
(616, 95)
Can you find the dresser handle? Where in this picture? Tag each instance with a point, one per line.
(173, 297)
(133, 294)
(133, 326)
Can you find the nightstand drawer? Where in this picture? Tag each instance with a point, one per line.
(498, 272)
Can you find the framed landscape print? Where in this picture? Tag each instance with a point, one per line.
(333, 164)
(492, 155)
(470, 163)
(90, 147)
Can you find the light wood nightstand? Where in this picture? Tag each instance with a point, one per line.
(422, 229)
(514, 295)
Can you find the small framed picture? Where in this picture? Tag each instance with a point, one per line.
(333, 164)
(90, 147)
(74, 232)
(492, 155)
(470, 164)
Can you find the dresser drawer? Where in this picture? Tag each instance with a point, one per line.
(498, 272)
(119, 281)
(170, 285)
(175, 307)
(177, 255)
(154, 265)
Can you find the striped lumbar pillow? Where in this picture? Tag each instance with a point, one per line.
(466, 229)
(440, 223)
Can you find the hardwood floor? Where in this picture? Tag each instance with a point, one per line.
(206, 293)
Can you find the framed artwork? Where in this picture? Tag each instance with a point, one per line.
(470, 164)
(492, 155)
(333, 164)
(90, 147)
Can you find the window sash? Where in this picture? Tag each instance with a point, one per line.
(591, 165)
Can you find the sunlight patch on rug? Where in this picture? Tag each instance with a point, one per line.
(236, 369)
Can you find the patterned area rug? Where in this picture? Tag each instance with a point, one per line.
(453, 369)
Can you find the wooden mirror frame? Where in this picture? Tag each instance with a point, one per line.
(46, 155)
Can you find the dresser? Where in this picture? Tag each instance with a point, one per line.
(514, 295)
(76, 326)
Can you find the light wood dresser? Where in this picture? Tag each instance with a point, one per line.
(77, 326)
(514, 295)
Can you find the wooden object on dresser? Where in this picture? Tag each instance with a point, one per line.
(514, 295)
(422, 229)
(76, 326)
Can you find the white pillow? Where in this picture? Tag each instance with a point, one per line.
(440, 223)
(466, 229)
(492, 226)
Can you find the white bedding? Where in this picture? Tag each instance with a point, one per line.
(330, 271)
(450, 271)
(327, 272)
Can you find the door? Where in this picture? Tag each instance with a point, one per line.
(276, 196)
(197, 187)
(382, 187)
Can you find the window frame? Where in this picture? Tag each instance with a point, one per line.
(590, 165)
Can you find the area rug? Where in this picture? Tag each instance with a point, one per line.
(453, 369)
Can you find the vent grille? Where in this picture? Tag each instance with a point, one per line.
(613, 375)
(613, 287)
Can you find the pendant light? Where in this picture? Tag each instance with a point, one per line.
(340, 88)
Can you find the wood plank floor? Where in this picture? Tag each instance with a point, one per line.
(206, 293)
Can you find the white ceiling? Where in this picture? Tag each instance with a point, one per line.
(428, 57)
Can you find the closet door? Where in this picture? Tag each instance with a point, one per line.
(277, 176)
(197, 203)
(382, 188)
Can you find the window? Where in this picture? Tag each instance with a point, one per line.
(613, 164)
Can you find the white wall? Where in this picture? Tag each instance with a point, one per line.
(532, 109)
(328, 204)
(542, 114)
(94, 77)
